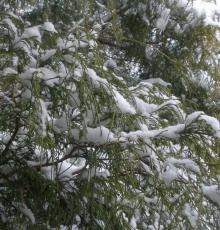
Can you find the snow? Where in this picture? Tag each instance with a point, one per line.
(133, 223)
(4, 138)
(28, 74)
(15, 61)
(47, 54)
(202, 79)
(147, 168)
(10, 24)
(96, 80)
(69, 58)
(149, 51)
(174, 132)
(122, 103)
(67, 170)
(44, 116)
(158, 81)
(186, 163)
(100, 135)
(26, 94)
(208, 9)
(162, 21)
(153, 200)
(171, 132)
(212, 192)
(32, 32)
(145, 108)
(50, 77)
(60, 125)
(9, 71)
(69, 45)
(95, 172)
(193, 117)
(213, 122)
(111, 64)
(191, 214)
(48, 26)
(170, 174)
(26, 211)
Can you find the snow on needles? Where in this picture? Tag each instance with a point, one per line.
(99, 135)
(121, 102)
(210, 10)
(191, 214)
(212, 192)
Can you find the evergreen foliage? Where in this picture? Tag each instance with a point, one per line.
(85, 143)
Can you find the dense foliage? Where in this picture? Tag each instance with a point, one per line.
(109, 115)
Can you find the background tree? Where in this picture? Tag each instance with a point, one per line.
(85, 143)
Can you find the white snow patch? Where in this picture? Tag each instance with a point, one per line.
(193, 117)
(44, 116)
(162, 21)
(213, 122)
(122, 103)
(100, 135)
(10, 24)
(48, 26)
(47, 54)
(212, 192)
(191, 214)
(26, 211)
(186, 163)
(32, 32)
(158, 81)
(96, 80)
(9, 71)
(170, 174)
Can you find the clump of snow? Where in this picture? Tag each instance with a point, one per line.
(48, 26)
(213, 122)
(100, 135)
(32, 32)
(171, 132)
(186, 163)
(162, 21)
(193, 117)
(133, 223)
(170, 174)
(47, 54)
(10, 24)
(67, 170)
(96, 80)
(158, 81)
(95, 172)
(147, 168)
(50, 77)
(149, 51)
(9, 71)
(202, 79)
(110, 64)
(122, 103)
(26, 211)
(209, 10)
(145, 108)
(212, 192)
(44, 116)
(28, 74)
(191, 214)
